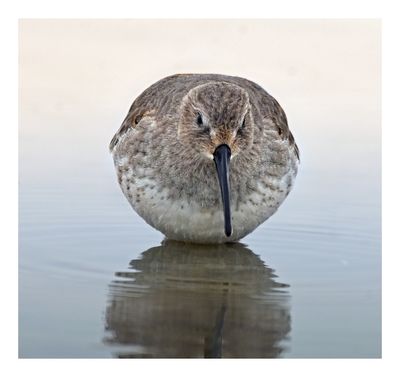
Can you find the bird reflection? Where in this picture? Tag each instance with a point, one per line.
(181, 300)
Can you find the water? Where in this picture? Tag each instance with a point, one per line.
(96, 281)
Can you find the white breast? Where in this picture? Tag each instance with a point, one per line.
(188, 221)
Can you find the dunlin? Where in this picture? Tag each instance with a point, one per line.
(205, 158)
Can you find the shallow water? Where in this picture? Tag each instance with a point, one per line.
(96, 281)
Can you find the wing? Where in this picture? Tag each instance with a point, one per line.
(135, 114)
(154, 101)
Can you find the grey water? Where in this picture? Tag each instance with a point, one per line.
(95, 281)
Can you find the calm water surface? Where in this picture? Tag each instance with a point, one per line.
(96, 281)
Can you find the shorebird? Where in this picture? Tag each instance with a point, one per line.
(205, 158)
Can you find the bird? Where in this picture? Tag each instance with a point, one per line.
(205, 158)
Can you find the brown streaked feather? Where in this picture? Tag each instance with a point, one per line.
(280, 120)
(164, 97)
(135, 115)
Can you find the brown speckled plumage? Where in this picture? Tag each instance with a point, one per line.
(164, 160)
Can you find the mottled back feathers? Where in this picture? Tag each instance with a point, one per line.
(164, 98)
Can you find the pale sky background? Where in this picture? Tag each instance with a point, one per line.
(79, 77)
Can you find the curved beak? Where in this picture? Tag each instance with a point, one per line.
(222, 156)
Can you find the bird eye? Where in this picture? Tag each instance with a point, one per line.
(242, 126)
(199, 120)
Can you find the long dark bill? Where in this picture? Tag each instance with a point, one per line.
(222, 156)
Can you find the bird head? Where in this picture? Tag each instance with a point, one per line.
(216, 113)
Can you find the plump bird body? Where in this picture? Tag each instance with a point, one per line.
(164, 154)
